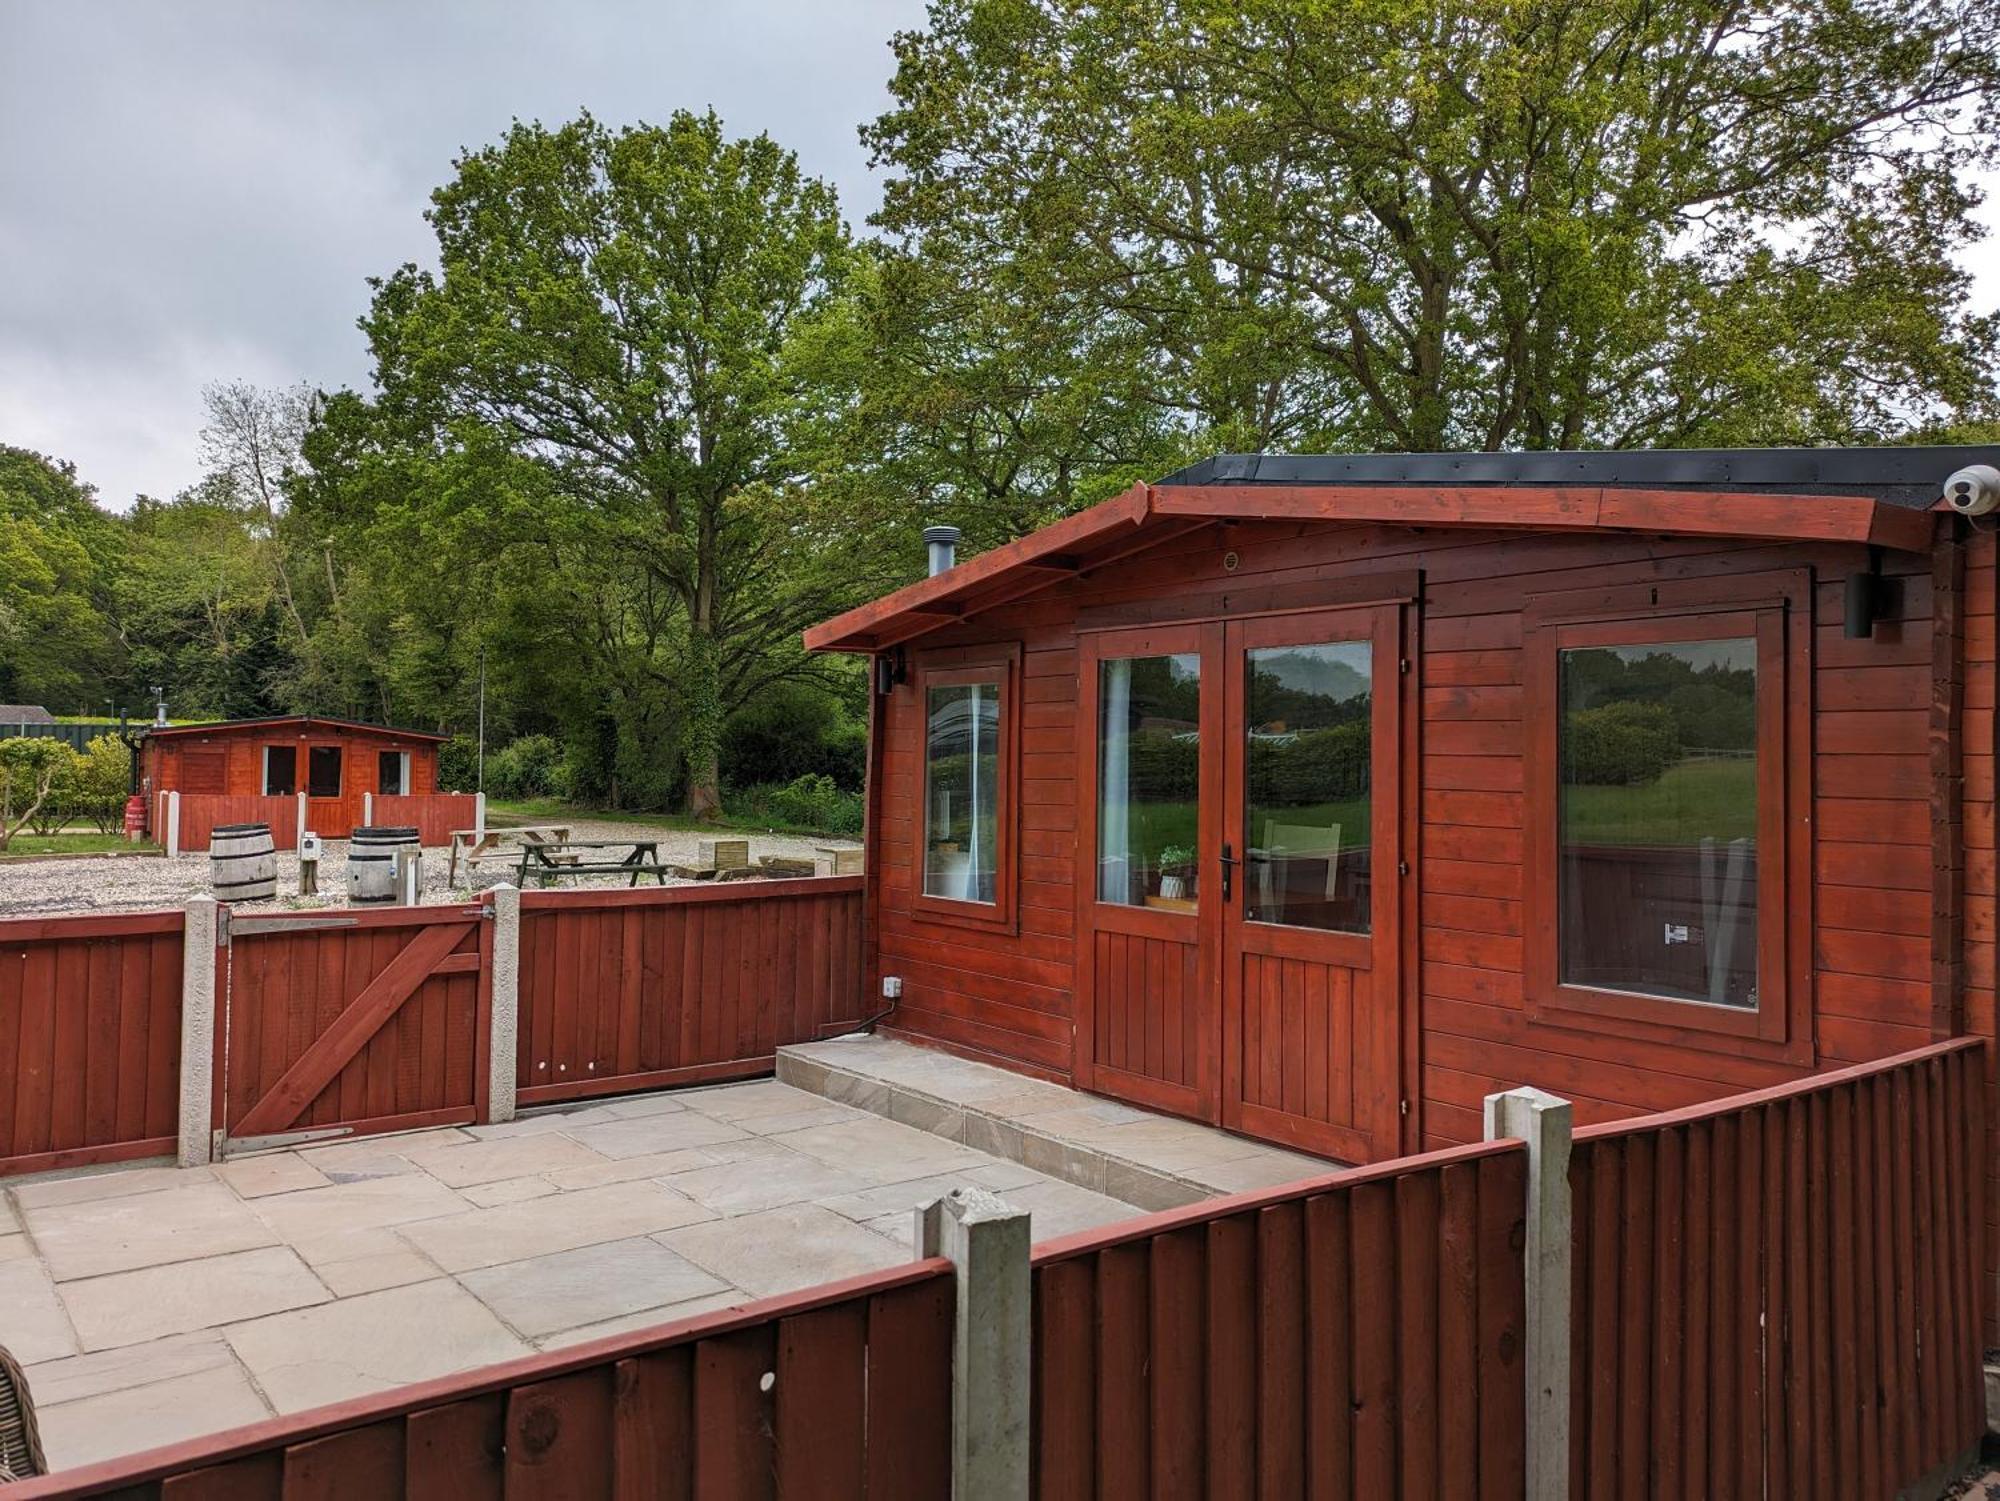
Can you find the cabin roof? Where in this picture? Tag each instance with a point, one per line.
(224, 726)
(1876, 496)
(25, 714)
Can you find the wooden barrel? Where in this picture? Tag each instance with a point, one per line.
(243, 863)
(371, 862)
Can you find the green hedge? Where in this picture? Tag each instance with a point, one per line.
(1619, 744)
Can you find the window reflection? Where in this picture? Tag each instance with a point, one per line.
(1148, 783)
(1308, 719)
(1658, 819)
(961, 791)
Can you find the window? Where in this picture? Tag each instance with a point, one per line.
(1665, 770)
(1149, 781)
(965, 790)
(323, 771)
(281, 770)
(1308, 725)
(392, 773)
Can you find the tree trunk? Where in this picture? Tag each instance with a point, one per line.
(701, 734)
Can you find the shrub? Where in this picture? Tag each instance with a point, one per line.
(531, 766)
(1619, 744)
(791, 731)
(814, 804)
(95, 785)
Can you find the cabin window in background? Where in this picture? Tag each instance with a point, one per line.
(1657, 799)
(962, 790)
(1149, 781)
(323, 771)
(281, 770)
(392, 777)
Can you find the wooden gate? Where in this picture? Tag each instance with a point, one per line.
(361, 1022)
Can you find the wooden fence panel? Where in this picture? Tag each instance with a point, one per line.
(636, 989)
(368, 1019)
(1778, 1293)
(836, 1391)
(90, 1018)
(202, 815)
(434, 815)
(1354, 1335)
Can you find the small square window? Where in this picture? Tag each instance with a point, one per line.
(392, 773)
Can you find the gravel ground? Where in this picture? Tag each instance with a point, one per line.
(129, 882)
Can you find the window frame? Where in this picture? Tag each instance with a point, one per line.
(1774, 611)
(956, 667)
(404, 768)
(290, 749)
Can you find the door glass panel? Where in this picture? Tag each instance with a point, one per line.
(1307, 724)
(961, 791)
(1658, 808)
(389, 773)
(323, 771)
(281, 770)
(1148, 781)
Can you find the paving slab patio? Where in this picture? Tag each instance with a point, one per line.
(153, 1304)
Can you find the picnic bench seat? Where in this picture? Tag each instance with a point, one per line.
(550, 862)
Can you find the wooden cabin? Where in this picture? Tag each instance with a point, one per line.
(333, 761)
(1319, 797)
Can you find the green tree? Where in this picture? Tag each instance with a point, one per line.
(58, 554)
(1361, 224)
(95, 784)
(30, 767)
(628, 313)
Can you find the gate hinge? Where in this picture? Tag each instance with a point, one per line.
(1403, 664)
(1405, 1110)
(1402, 867)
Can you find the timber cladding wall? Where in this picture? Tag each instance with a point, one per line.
(90, 1019)
(1864, 904)
(639, 989)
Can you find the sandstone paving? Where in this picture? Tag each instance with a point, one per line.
(546, 1294)
(127, 1307)
(489, 1237)
(153, 1303)
(783, 1249)
(104, 1235)
(362, 1344)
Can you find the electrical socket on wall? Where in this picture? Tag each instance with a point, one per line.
(892, 987)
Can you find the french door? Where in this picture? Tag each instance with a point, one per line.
(1240, 902)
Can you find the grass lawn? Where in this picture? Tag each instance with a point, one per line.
(71, 842)
(1690, 802)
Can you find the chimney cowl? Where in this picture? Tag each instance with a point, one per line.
(943, 544)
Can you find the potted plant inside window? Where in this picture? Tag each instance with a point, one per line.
(1176, 867)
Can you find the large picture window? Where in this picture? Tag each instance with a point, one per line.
(1664, 785)
(965, 791)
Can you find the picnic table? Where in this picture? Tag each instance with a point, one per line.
(549, 862)
(474, 845)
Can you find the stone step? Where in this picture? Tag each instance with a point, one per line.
(1148, 1160)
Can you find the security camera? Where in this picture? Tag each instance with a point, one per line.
(1974, 490)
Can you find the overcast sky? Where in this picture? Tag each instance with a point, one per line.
(195, 191)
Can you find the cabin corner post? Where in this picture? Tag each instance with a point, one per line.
(1543, 1123)
(195, 1143)
(504, 1034)
(986, 1240)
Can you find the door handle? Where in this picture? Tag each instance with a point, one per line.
(1229, 864)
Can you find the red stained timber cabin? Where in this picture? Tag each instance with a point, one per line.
(334, 762)
(1317, 797)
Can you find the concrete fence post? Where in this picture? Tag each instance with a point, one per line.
(368, 810)
(300, 836)
(1543, 1121)
(198, 935)
(503, 1041)
(173, 825)
(987, 1240)
(478, 815)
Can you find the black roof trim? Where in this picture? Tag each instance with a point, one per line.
(1912, 477)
